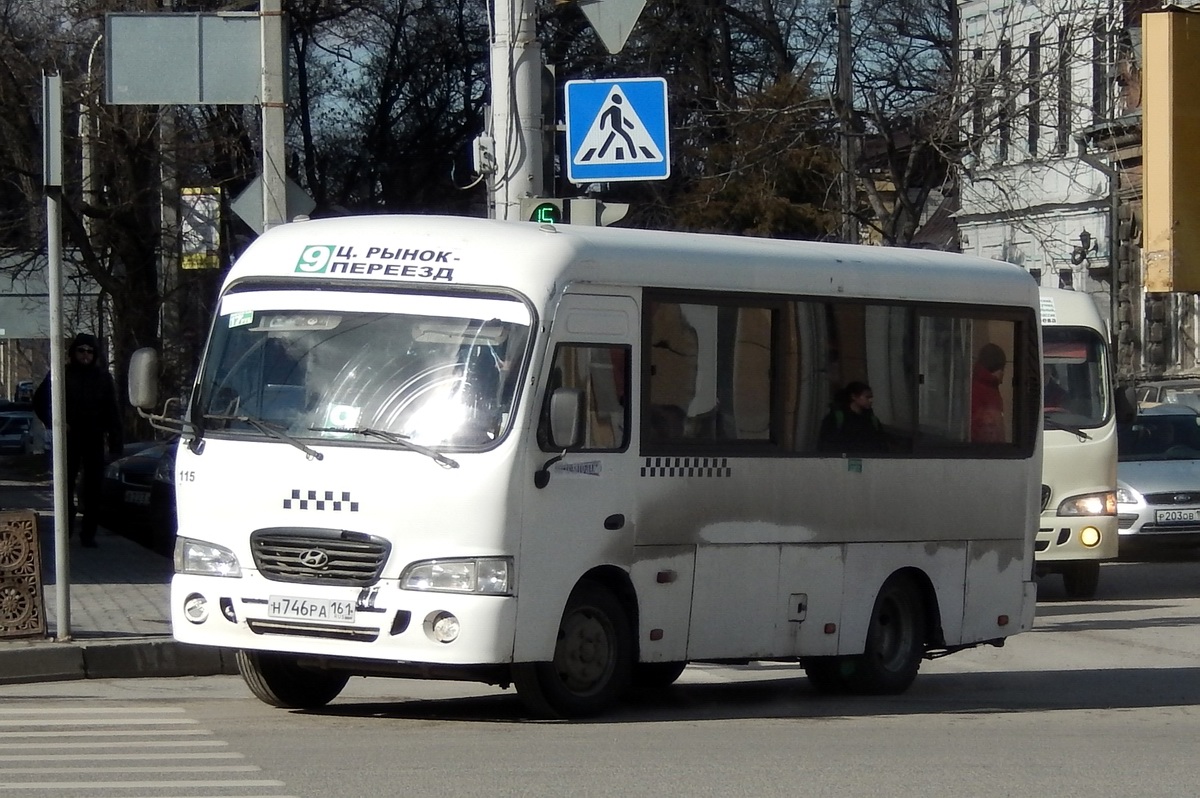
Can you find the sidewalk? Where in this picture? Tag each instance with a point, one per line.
(119, 617)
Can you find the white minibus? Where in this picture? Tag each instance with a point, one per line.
(573, 460)
(1078, 526)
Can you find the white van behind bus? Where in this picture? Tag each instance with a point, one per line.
(1078, 528)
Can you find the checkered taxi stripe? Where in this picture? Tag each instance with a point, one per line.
(686, 467)
(320, 500)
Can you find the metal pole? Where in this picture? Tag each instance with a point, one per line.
(516, 85)
(274, 155)
(52, 179)
(845, 89)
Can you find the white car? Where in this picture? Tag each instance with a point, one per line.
(1158, 476)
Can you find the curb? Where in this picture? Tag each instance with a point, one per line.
(24, 662)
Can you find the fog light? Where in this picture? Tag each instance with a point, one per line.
(443, 627)
(1089, 536)
(195, 608)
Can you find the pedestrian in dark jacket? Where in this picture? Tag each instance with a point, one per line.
(851, 425)
(92, 419)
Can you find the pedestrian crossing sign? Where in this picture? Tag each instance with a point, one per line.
(617, 130)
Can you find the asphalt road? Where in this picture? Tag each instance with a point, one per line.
(1101, 699)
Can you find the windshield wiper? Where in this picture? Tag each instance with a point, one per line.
(271, 430)
(392, 437)
(1052, 424)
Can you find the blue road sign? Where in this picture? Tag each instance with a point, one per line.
(617, 130)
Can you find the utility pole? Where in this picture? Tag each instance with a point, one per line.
(516, 110)
(274, 181)
(845, 92)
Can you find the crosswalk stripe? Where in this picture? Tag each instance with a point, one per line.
(88, 769)
(95, 733)
(75, 744)
(112, 785)
(97, 722)
(107, 755)
(90, 710)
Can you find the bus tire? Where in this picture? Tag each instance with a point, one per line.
(651, 675)
(593, 659)
(278, 680)
(895, 641)
(1080, 579)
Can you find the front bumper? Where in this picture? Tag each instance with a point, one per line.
(389, 624)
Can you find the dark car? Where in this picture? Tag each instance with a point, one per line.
(138, 495)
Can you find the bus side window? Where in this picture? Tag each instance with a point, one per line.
(967, 389)
(602, 374)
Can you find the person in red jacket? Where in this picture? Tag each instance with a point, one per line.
(987, 406)
(92, 418)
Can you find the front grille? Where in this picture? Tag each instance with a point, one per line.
(1173, 497)
(263, 627)
(137, 480)
(319, 556)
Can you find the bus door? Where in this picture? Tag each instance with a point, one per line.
(580, 504)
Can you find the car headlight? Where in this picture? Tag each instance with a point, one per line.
(112, 471)
(1127, 495)
(165, 470)
(488, 575)
(1090, 504)
(194, 557)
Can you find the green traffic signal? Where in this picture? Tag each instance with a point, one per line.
(547, 213)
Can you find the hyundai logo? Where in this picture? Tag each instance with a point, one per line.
(314, 558)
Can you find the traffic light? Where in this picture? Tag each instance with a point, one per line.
(544, 210)
(577, 210)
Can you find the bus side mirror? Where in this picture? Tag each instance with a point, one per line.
(143, 379)
(1126, 405)
(566, 410)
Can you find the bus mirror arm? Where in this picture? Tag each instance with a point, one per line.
(541, 477)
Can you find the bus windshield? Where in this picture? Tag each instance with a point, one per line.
(432, 370)
(1075, 381)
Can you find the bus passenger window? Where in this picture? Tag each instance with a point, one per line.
(966, 393)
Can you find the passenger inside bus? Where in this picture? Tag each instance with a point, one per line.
(987, 406)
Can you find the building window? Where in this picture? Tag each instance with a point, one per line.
(1007, 101)
(1099, 70)
(1063, 64)
(1035, 94)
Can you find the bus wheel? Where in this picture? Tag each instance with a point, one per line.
(649, 675)
(593, 659)
(277, 679)
(828, 674)
(895, 641)
(1080, 579)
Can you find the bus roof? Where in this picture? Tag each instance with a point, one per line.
(1064, 308)
(441, 250)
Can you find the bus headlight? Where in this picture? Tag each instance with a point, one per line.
(487, 575)
(194, 557)
(1090, 504)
